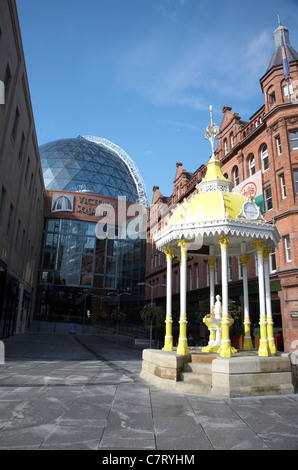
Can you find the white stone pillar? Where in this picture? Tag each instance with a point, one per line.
(168, 343)
(270, 334)
(182, 342)
(225, 349)
(247, 343)
(263, 348)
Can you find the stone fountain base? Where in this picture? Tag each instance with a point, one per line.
(245, 374)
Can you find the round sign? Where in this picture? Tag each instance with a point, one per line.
(251, 210)
(249, 190)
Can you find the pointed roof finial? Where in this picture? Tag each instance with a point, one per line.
(279, 23)
(212, 131)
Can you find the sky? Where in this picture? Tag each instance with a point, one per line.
(143, 73)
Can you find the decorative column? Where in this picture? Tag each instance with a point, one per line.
(225, 348)
(211, 263)
(270, 334)
(182, 342)
(168, 343)
(263, 348)
(247, 343)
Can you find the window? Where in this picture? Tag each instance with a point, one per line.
(264, 157)
(236, 176)
(286, 89)
(27, 169)
(9, 220)
(17, 234)
(232, 140)
(251, 165)
(226, 146)
(294, 140)
(272, 262)
(230, 268)
(282, 186)
(15, 124)
(21, 148)
(216, 272)
(272, 98)
(288, 248)
(197, 276)
(2, 198)
(296, 180)
(240, 269)
(268, 198)
(6, 80)
(190, 278)
(278, 145)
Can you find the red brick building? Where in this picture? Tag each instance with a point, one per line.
(259, 156)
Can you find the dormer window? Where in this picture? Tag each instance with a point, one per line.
(272, 98)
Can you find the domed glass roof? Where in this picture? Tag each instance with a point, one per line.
(80, 165)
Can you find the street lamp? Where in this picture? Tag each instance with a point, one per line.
(151, 301)
(118, 306)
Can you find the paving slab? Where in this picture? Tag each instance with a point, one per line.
(84, 392)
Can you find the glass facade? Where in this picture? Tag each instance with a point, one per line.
(86, 167)
(74, 262)
(72, 256)
(76, 267)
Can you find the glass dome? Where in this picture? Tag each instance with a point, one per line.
(81, 165)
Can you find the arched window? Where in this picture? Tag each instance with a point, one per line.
(226, 146)
(251, 165)
(264, 157)
(236, 175)
(232, 140)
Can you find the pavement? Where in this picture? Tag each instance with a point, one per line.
(84, 392)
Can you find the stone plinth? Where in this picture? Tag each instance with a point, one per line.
(162, 368)
(242, 375)
(246, 376)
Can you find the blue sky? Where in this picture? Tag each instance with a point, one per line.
(142, 73)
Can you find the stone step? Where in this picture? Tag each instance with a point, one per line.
(198, 367)
(203, 357)
(192, 377)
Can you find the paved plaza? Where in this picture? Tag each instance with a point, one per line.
(84, 392)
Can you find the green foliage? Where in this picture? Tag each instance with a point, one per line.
(155, 314)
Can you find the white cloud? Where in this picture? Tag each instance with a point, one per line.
(166, 70)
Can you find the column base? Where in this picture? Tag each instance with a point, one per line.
(211, 349)
(272, 346)
(226, 350)
(263, 350)
(182, 347)
(247, 344)
(168, 345)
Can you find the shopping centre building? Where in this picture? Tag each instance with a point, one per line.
(260, 158)
(88, 260)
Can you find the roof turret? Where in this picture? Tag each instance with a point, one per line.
(280, 33)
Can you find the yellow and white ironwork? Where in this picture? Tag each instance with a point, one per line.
(168, 344)
(247, 342)
(215, 217)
